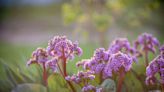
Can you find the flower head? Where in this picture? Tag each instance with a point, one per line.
(101, 55)
(156, 66)
(81, 77)
(97, 62)
(52, 64)
(116, 62)
(38, 56)
(147, 42)
(59, 46)
(162, 50)
(91, 88)
(121, 44)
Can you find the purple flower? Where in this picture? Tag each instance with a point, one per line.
(147, 42)
(59, 46)
(38, 56)
(88, 88)
(52, 64)
(101, 55)
(162, 51)
(156, 66)
(121, 44)
(97, 62)
(162, 48)
(99, 90)
(116, 62)
(81, 77)
(91, 88)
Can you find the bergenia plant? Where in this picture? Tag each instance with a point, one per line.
(113, 63)
(156, 66)
(147, 43)
(40, 57)
(55, 57)
(104, 65)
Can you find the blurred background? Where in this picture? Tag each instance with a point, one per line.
(28, 24)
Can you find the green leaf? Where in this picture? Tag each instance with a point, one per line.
(29, 87)
(132, 84)
(56, 83)
(12, 75)
(108, 85)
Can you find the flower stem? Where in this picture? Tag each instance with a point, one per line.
(162, 87)
(44, 74)
(146, 58)
(69, 83)
(64, 66)
(64, 60)
(120, 81)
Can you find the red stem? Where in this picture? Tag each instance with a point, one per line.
(64, 60)
(120, 81)
(71, 86)
(44, 74)
(162, 87)
(64, 63)
(146, 58)
(64, 66)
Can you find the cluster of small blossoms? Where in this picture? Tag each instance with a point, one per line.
(39, 56)
(97, 63)
(146, 42)
(156, 66)
(105, 63)
(82, 78)
(59, 50)
(123, 45)
(117, 62)
(91, 88)
(117, 59)
(52, 64)
(59, 46)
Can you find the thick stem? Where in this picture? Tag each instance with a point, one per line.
(44, 74)
(64, 60)
(162, 87)
(64, 66)
(71, 86)
(120, 81)
(146, 58)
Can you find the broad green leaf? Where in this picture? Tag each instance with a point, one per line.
(56, 83)
(108, 85)
(29, 87)
(132, 84)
